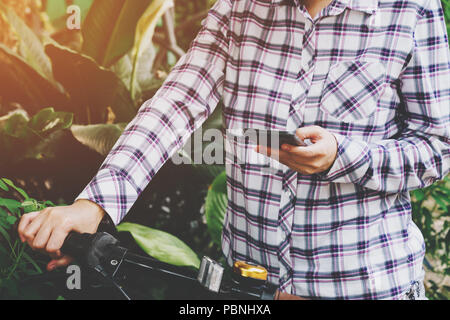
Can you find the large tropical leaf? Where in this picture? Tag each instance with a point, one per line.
(161, 245)
(92, 88)
(143, 53)
(122, 68)
(30, 46)
(100, 138)
(109, 29)
(22, 84)
(216, 207)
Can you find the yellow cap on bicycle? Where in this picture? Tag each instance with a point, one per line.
(250, 271)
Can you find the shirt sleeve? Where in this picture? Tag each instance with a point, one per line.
(164, 123)
(420, 155)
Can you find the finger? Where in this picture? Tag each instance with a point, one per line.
(313, 133)
(24, 222)
(285, 296)
(32, 229)
(318, 149)
(55, 256)
(56, 241)
(42, 236)
(63, 262)
(273, 153)
(288, 160)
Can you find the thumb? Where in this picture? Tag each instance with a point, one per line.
(58, 263)
(312, 133)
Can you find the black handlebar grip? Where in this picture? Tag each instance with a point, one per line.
(91, 249)
(77, 245)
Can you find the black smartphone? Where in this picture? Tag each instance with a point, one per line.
(273, 138)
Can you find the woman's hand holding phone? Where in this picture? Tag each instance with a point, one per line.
(316, 158)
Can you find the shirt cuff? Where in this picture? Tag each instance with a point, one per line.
(111, 191)
(352, 161)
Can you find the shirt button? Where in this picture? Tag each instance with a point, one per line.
(305, 67)
(285, 236)
(284, 278)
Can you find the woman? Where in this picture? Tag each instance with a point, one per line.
(367, 81)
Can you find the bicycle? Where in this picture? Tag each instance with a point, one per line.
(106, 264)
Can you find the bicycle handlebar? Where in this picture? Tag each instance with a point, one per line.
(102, 252)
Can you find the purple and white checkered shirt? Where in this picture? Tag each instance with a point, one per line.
(375, 73)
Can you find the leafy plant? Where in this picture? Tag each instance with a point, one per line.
(84, 83)
(446, 8)
(16, 259)
(21, 135)
(44, 74)
(18, 262)
(431, 213)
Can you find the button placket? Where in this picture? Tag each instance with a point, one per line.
(309, 46)
(287, 208)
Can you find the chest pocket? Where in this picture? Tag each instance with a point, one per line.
(352, 90)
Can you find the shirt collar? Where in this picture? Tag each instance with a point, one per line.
(367, 6)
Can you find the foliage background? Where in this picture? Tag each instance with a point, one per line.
(55, 132)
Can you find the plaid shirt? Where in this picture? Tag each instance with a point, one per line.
(375, 73)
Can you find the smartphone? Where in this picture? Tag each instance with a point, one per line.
(273, 138)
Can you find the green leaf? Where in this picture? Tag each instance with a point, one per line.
(92, 88)
(11, 204)
(4, 224)
(109, 29)
(419, 195)
(11, 220)
(3, 186)
(23, 84)
(19, 190)
(161, 245)
(48, 203)
(5, 234)
(48, 121)
(440, 201)
(27, 257)
(100, 138)
(30, 206)
(216, 207)
(15, 124)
